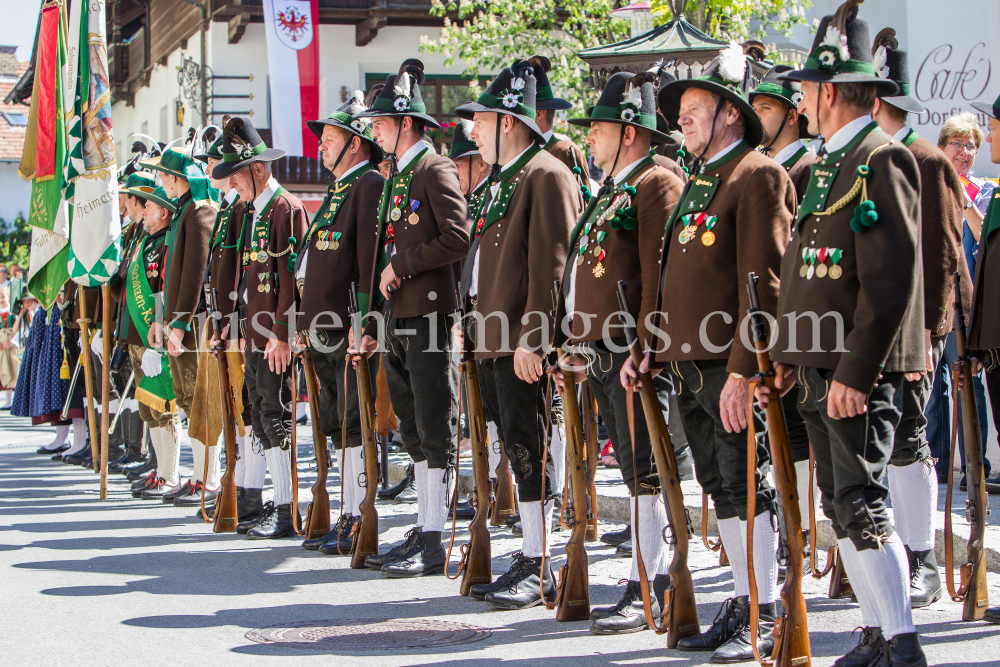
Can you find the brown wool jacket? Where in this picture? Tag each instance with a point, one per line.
(563, 149)
(224, 259)
(186, 259)
(879, 295)
(799, 173)
(755, 204)
(523, 253)
(941, 200)
(427, 252)
(268, 311)
(330, 272)
(670, 165)
(984, 320)
(630, 255)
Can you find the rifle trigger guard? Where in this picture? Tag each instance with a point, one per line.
(668, 534)
(363, 480)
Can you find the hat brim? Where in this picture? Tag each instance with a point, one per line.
(754, 94)
(375, 113)
(904, 102)
(986, 108)
(885, 87)
(467, 111)
(461, 154)
(170, 206)
(670, 103)
(555, 104)
(316, 126)
(657, 136)
(226, 169)
(138, 192)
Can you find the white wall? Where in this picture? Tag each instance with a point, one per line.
(15, 194)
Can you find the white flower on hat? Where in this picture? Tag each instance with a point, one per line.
(732, 63)
(797, 98)
(882, 63)
(835, 41)
(510, 100)
(359, 125)
(402, 103)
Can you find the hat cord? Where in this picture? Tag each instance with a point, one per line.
(341, 156)
(698, 164)
(766, 150)
(609, 179)
(495, 167)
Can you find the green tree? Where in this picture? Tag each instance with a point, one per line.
(15, 242)
(736, 19)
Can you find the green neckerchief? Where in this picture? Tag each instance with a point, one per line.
(155, 391)
(496, 209)
(910, 138)
(336, 193)
(822, 177)
(476, 199)
(796, 156)
(585, 223)
(222, 220)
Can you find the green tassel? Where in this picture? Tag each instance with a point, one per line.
(856, 225)
(629, 212)
(686, 170)
(869, 218)
(864, 171)
(628, 189)
(577, 170)
(681, 153)
(629, 223)
(291, 239)
(864, 216)
(616, 223)
(867, 205)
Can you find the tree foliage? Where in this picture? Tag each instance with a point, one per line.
(738, 19)
(15, 241)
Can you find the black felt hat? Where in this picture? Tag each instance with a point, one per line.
(347, 118)
(543, 91)
(841, 53)
(400, 96)
(992, 110)
(512, 93)
(627, 99)
(891, 63)
(463, 145)
(241, 147)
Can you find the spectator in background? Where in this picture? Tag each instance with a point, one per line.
(18, 283)
(960, 139)
(4, 280)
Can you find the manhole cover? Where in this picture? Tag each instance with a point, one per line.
(369, 634)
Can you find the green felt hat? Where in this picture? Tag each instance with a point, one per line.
(627, 99)
(891, 63)
(400, 96)
(544, 99)
(214, 151)
(241, 146)
(159, 196)
(178, 161)
(511, 93)
(789, 92)
(347, 119)
(462, 145)
(140, 184)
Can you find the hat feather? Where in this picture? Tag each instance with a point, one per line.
(372, 94)
(732, 63)
(357, 103)
(411, 67)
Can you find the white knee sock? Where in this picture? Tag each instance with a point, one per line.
(802, 476)
(347, 492)
(493, 448)
(301, 409)
(79, 437)
(214, 475)
(62, 434)
(357, 466)
(168, 456)
(420, 481)
(888, 574)
(557, 445)
(735, 545)
(860, 583)
(765, 557)
(648, 526)
(436, 490)
(534, 526)
(154, 444)
(254, 461)
(239, 474)
(914, 491)
(198, 459)
(279, 463)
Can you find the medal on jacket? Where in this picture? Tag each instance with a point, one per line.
(262, 253)
(264, 286)
(584, 242)
(808, 268)
(821, 268)
(152, 272)
(413, 218)
(599, 268)
(708, 238)
(396, 212)
(836, 271)
(597, 250)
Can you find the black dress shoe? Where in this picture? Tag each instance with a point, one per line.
(624, 550)
(524, 591)
(343, 542)
(861, 655)
(992, 615)
(739, 648)
(429, 560)
(273, 525)
(906, 651)
(195, 498)
(464, 510)
(626, 616)
(124, 463)
(925, 578)
(250, 505)
(723, 628)
(140, 484)
(78, 458)
(316, 542)
(56, 450)
(409, 547)
(393, 491)
(616, 537)
(408, 494)
(158, 489)
(185, 489)
(512, 519)
(244, 525)
(143, 470)
(479, 591)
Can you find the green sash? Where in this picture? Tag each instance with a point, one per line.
(157, 391)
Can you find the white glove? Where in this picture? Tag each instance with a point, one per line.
(151, 364)
(95, 345)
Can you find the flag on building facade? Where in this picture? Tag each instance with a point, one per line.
(292, 35)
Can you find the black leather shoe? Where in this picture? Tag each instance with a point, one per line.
(464, 510)
(408, 494)
(393, 491)
(194, 498)
(861, 655)
(143, 470)
(274, 524)
(141, 485)
(77, 458)
(409, 547)
(124, 463)
(158, 489)
(738, 648)
(723, 628)
(992, 615)
(244, 525)
(963, 486)
(342, 543)
(626, 616)
(925, 578)
(479, 591)
(906, 651)
(624, 550)
(332, 536)
(429, 560)
(512, 519)
(616, 537)
(184, 490)
(993, 485)
(523, 591)
(250, 505)
(48, 452)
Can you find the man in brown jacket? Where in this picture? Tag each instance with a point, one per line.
(190, 230)
(273, 221)
(777, 104)
(423, 232)
(519, 251)
(619, 238)
(338, 250)
(734, 218)
(912, 479)
(851, 321)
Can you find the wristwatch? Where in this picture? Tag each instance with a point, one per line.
(968, 205)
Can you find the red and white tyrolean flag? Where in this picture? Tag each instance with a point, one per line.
(292, 28)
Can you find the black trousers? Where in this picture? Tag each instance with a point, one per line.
(720, 458)
(270, 399)
(612, 401)
(519, 411)
(798, 436)
(851, 455)
(421, 371)
(910, 443)
(337, 396)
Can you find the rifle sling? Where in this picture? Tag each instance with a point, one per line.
(949, 536)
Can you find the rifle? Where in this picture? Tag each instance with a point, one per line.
(118, 412)
(503, 503)
(225, 518)
(972, 592)
(294, 451)
(366, 534)
(317, 511)
(680, 612)
(590, 437)
(791, 632)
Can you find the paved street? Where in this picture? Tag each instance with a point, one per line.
(87, 582)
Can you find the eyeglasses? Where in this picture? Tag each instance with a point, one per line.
(971, 148)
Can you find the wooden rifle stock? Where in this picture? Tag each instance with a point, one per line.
(225, 518)
(791, 632)
(973, 591)
(318, 511)
(574, 595)
(503, 503)
(366, 535)
(593, 452)
(680, 611)
(476, 555)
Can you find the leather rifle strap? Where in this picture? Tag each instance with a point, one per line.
(949, 535)
(751, 520)
(464, 549)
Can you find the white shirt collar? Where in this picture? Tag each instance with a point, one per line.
(404, 160)
(788, 151)
(481, 181)
(352, 170)
(843, 136)
(547, 136)
(261, 201)
(902, 134)
(230, 197)
(496, 186)
(620, 176)
(725, 151)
